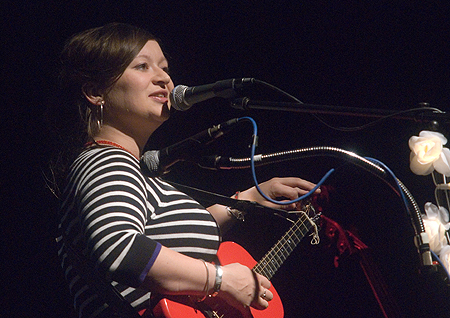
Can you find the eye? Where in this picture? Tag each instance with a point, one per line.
(142, 66)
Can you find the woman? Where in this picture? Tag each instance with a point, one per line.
(138, 232)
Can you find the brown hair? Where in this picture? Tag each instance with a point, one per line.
(95, 59)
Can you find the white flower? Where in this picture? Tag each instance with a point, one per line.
(444, 256)
(428, 153)
(436, 224)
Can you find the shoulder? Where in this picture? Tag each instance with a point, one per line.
(105, 162)
(101, 156)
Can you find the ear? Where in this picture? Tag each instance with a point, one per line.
(92, 94)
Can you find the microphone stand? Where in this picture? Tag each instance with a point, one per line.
(422, 113)
(415, 114)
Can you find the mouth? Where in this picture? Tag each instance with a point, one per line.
(160, 96)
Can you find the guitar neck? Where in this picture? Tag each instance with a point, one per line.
(276, 256)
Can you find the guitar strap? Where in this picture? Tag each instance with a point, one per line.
(105, 290)
(205, 198)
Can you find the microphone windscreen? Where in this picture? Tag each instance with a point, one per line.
(150, 163)
(177, 98)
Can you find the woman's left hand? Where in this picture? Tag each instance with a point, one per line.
(285, 189)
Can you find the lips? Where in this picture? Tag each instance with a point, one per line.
(160, 96)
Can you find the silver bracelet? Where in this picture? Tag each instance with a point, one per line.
(218, 281)
(205, 289)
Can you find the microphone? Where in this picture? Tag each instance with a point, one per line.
(183, 97)
(155, 163)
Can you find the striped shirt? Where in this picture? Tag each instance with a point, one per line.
(117, 218)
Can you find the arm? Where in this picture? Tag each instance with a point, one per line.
(288, 188)
(112, 200)
(174, 273)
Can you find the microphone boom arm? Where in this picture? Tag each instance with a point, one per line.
(421, 238)
(416, 114)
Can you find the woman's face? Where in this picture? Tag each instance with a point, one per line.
(139, 98)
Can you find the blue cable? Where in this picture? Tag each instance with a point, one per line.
(253, 149)
(401, 193)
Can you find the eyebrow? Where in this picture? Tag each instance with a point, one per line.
(149, 58)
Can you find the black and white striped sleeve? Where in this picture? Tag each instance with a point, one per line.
(113, 214)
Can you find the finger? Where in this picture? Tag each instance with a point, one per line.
(265, 283)
(261, 292)
(267, 295)
(264, 298)
(296, 182)
(291, 190)
(260, 303)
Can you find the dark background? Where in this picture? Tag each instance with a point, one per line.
(389, 55)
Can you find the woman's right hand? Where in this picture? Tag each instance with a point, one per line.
(174, 274)
(242, 285)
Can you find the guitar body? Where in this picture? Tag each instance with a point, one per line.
(185, 307)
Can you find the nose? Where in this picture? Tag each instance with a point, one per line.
(161, 77)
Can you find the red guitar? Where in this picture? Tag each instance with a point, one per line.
(228, 253)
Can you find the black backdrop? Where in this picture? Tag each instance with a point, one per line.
(382, 55)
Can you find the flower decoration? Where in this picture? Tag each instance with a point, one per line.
(428, 153)
(436, 221)
(444, 256)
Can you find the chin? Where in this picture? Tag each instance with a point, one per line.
(165, 112)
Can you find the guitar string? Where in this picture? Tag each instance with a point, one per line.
(289, 238)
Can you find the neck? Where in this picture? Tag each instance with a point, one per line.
(129, 143)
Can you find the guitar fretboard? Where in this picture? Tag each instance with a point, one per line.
(275, 257)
